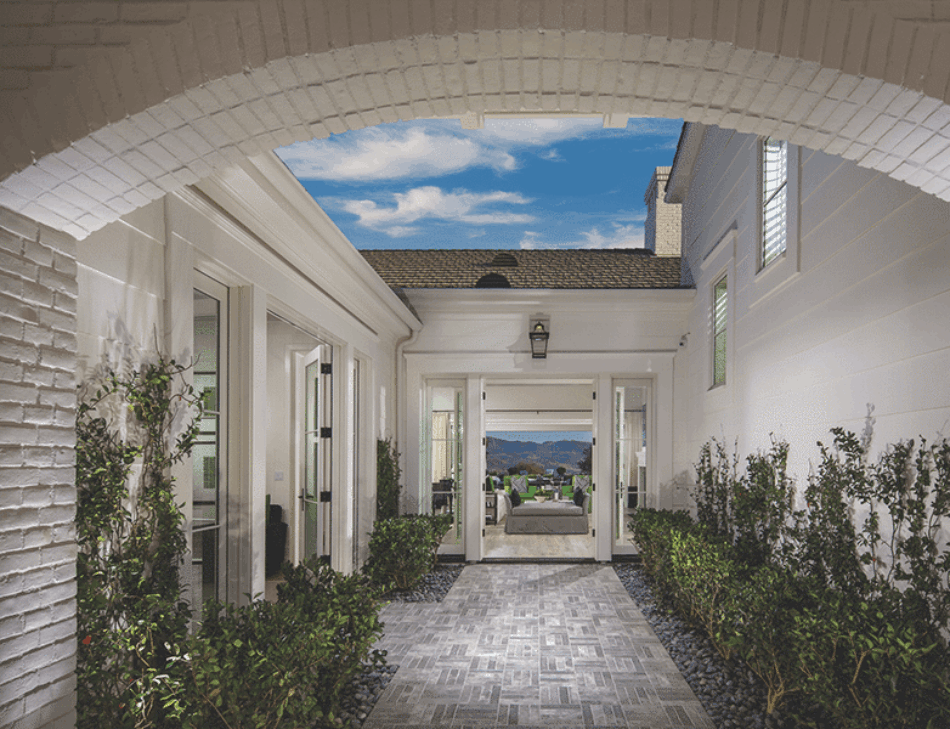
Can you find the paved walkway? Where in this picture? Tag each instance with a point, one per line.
(531, 645)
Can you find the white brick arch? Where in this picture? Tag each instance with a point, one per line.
(175, 99)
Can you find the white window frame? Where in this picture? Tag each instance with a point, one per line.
(767, 196)
(720, 263)
(225, 568)
(773, 276)
(720, 327)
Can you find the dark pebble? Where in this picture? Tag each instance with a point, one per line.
(732, 695)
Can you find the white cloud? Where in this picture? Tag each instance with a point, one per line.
(433, 203)
(622, 236)
(391, 153)
(536, 132)
(430, 148)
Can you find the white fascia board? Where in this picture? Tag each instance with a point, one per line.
(466, 301)
(687, 150)
(264, 196)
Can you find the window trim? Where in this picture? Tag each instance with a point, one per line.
(765, 199)
(718, 330)
(720, 263)
(785, 267)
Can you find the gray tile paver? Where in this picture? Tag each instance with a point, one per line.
(531, 645)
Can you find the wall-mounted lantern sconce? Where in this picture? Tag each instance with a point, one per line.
(538, 334)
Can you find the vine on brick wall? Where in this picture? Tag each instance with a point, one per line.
(131, 616)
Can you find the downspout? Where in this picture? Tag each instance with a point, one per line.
(400, 375)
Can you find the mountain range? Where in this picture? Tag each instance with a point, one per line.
(549, 455)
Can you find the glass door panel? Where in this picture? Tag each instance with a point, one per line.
(313, 448)
(630, 458)
(209, 455)
(445, 461)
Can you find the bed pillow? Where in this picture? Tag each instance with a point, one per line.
(579, 497)
(515, 498)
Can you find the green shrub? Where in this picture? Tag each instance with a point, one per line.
(346, 604)
(705, 580)
(759, 617)
(282, 665)
(851, 617)
(653, 531)
(826, 548)
(130, 615)
(404, 549)
(388, 474)
(762, 506)
(869, 667)
(716, 477)
(752, 510)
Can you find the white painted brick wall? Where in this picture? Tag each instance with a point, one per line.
(273, 71)
(37, 475)
(662, 232)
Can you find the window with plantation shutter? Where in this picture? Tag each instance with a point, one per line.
(774, 199)
(720, 303)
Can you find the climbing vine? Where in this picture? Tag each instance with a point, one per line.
(130, 429)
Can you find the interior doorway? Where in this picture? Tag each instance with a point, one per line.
(538, 454)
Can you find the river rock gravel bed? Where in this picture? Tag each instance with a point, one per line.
(733, 696)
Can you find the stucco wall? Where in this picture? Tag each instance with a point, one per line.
(858, 316)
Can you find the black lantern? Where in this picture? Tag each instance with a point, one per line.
(539, 340)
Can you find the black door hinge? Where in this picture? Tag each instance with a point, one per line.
(484, 441)
(593, 441)
(484, 396)
(593, 532)
(326, 368)
(326, 432)
(594, 394)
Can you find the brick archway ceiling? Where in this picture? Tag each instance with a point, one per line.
(105, 106)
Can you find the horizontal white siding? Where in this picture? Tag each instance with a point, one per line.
(863, 321)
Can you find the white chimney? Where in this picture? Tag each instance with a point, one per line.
(662, 233)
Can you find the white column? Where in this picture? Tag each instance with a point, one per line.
(474, 469)
(248, 445)
(343, 487)
(602, 468)
(179, 314)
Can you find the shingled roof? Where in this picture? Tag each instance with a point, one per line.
(631, 268)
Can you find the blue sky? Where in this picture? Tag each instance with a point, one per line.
(517, 183)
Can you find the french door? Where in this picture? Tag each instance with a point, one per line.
(445, 446)
(315, 467)
(631, 456)
(210, 507)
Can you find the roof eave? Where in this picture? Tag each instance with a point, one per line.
(687, 150)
